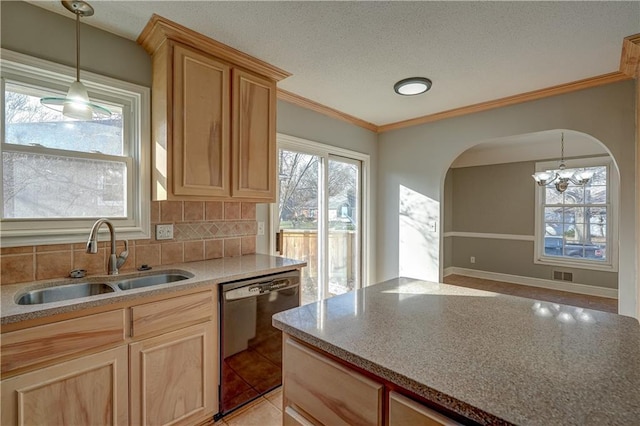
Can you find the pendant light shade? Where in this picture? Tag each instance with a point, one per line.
(76, 104)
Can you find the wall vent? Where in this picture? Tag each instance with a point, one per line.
(562, 276)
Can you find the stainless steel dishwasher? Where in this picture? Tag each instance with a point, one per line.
(250, 347)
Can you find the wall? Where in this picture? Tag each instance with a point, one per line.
(201, 230)
(499, 199)
(417, 158)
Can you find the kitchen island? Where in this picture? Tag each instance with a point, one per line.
(477, 356)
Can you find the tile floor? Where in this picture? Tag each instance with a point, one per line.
(267, 410)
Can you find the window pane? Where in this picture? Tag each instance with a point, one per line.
(574, 195)
(596, 194)
(27, 122)
(48, 186)
(552, 196)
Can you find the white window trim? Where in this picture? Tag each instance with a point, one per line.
(27, 69)
(613, 190)
(324, 150)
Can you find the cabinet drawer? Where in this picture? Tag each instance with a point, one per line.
(172, 313)
(34, 345)
(331, 393)
(406, 412)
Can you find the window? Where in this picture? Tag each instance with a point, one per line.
(575, 227)
(60, 175)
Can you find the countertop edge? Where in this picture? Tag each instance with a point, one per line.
(128, 295)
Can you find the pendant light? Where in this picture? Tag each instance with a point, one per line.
(76, 104)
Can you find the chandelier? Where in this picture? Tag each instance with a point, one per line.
(563, 176)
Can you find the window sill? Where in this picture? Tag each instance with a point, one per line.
(576, 264)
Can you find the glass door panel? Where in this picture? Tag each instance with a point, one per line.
(344, 225)
(299, 217)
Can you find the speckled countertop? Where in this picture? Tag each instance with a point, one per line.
(202, 273)
(495, 359)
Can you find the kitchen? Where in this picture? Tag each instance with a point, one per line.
(398, 157)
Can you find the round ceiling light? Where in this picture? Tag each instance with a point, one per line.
(412, 86)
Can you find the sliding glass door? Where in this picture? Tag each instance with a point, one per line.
(318, 218)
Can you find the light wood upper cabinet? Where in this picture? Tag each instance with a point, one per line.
(254, 136)
(90, 390)
(201, 148)
(212, 137)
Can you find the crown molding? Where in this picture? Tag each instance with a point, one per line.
(292, 98)
(630, 58)
(586, 83)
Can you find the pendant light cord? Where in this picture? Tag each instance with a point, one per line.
(77, 45)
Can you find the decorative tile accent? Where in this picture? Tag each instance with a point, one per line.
(208, 230)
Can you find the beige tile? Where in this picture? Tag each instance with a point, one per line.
(193, 211)
(17, 250)
(147, 255)
(232, 247)
(171, 253)
(155, 211)
(53, 264)
(213, 210)
(17, 268)
(248, 211)
(53, 247)
(261, 414)
(193, 251)
(275, 397)
(213, 249)
(93, 263)
(231, 210)
(248, 245)
(171, 211)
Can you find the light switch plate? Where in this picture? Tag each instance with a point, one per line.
(164, 232)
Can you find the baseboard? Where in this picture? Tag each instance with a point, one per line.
(590, 290)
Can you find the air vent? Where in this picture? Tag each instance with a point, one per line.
(562, 276)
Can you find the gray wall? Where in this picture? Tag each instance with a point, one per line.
(499, 199)
(37, 32)
(418, 158)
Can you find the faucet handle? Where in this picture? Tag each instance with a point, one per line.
(122, 257)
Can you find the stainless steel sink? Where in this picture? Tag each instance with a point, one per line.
(151, 280)
(63, 292)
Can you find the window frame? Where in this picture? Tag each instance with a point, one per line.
(613, 184)
(135, 99)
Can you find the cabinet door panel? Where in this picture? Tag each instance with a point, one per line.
(201, 141)
(173, 379)
(406, 412)
(91, 390)
(254, 133)
(331, 393)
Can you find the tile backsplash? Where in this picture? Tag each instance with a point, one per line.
(201, 230)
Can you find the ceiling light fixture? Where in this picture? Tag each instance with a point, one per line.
(563, 175)
(412, 86)
(76, 104)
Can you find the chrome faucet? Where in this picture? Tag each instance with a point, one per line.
(115, 262)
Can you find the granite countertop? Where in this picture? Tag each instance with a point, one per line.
(202, 273)
(493, 358)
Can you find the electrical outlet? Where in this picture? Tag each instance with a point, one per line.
(260, 228)
(164, 232)
(472, 259)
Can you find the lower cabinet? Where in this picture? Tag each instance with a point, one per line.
(325, 391)
(172, 377)
(318, 391)
(407, 412)
(90, 390)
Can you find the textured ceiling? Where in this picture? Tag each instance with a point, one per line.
(348, 55)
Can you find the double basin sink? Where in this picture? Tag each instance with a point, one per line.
(58, 293)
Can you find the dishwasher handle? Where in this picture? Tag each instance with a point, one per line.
(259, 289)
